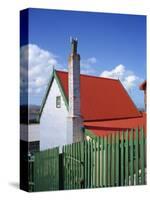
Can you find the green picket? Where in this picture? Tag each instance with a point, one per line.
(109, 161)
(85, 165)
(122, 158)
(91, 186)
(131, 159)
(94, 174)
(82, 166)
(99, 142)
(137, 156)
(117, 160)
(105, 162)
(142, 155)
(126, 158)
(89, 160)
(113, 161)
(101, 162)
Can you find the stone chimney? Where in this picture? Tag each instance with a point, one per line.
(74, 128)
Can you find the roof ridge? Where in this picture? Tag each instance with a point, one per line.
(91, 76)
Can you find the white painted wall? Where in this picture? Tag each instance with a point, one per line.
(30, 133)
(53, 122)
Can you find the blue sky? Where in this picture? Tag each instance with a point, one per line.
(108, 44)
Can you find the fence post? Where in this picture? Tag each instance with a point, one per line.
(142, 155)
(137, 156)
(122, 158)
(113, 161)
(131, 159)
(126, 158)
(109, 161)
(31, 172)
(117, 159)
(61, 174)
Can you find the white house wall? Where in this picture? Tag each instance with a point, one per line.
(53, 121)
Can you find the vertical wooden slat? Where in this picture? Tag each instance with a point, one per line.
(89, 161)
(93, 173)
(66, 173)
(95, 162)
(99, 142)
(117, 159)
(131, 159)
(82, 166)
(79, 164)
(91, 186)
(109, 161)
(101, 162)
(113, 161)
(92, 163)
(142, 155)
(67, 167)
(126, 158)
(122, 158)
(137, 156)
(76, 166)
(105, 162)
(85, 164)
(71, 160)
(63, 169)
(78, 157)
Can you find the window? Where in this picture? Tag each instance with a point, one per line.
(58, 102)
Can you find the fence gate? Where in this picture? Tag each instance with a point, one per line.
(73, 166)
(44, 167)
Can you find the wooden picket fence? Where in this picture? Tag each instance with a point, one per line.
(118, 159)
(44, 170)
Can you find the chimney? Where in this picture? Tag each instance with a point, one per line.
(74, 128)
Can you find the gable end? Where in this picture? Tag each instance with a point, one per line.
(53, 76)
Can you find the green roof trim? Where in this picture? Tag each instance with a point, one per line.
(89, 133)
(61, 90)
(53, 75)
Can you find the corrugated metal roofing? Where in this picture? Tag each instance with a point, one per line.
(101, 98)
(100, 128)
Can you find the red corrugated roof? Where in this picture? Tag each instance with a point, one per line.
(100, 128)
(101, 98)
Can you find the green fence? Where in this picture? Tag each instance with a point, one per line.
(44, 170)
(118, 159)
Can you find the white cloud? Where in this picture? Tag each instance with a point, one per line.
(117, 72)
(87, 66)
(128, 78)
(39, 63)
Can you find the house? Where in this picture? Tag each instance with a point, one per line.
(77, 106)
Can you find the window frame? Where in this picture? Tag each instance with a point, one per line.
(58, 101)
